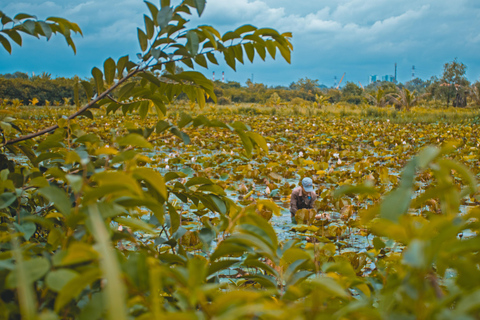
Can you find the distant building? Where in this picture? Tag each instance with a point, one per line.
(374, 78)
(388, 78)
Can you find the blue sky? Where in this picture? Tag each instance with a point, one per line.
(330, 37)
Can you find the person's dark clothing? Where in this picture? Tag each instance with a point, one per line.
(300, 201)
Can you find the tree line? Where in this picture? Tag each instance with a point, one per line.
(452, 88)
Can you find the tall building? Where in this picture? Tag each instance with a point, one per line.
(388, 78)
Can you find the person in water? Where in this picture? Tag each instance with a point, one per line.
(303, 197)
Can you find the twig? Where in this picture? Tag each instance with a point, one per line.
(76, 114)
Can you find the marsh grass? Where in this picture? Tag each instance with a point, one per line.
(420, 114)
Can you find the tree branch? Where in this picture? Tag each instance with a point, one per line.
(76, 114)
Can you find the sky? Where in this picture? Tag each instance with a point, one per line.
(330, 37)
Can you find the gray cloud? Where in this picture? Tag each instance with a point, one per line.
(359, 37)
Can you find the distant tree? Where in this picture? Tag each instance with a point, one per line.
(386, 86)
(16, 75)
(475, 93)
(334, 95)
(352, 89)
(453, 83)
(352, 93)
(434, 89)
(405, 99)
(379, 99)
(46, 76)
(418, 85)
(307, 87)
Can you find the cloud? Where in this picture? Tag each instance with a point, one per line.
(357, 36)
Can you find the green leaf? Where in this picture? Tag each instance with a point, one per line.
(109, 70)
(169, 176)
(330, 286)
(135, 140)
(98, 77)
(174, 218)
(414, 255)
(58, 197)
(250, 50)
(258, 264)
(135, 224)
(151, 78)
(238, 53)
(29, 27)
(182, 135)
(247, 143)
(87, 86)
(271, 206)
(78, 253)
(230, 35)
(94, 308)
(121, 64)
(6, 199)
(75, 286)
(47, 30)
(149, 27)
(153, 10)
(115, 289)
(164, 16)
(268, 233)
(349, 190)
(6, 44)
(14, 35)
(142, 39)
(188, 63)
(258, 139)
(378, 243)
(5, 19)
(200, 5)
(201, 61)
(396, 203)
(227, 248)
(164, 3)
(211, 58)
(162, 125)
(143, 109)
(427, 155)
(253, 243)
(260, 50)
(217, 266)
(125, 89)
(264, 280)
(57, 279)
(21, 16)
(464, 172)
(39, 182)
(245, 28)
(219, 203)
(206, 235)
(26, 297)
(229, 56)
(35, 269)
(285, 52)
(192, 42)
(267, 32)
(272, 48)
(184, 120)
(27, 228)
(154, 178)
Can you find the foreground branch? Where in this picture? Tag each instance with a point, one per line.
(76, 114)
